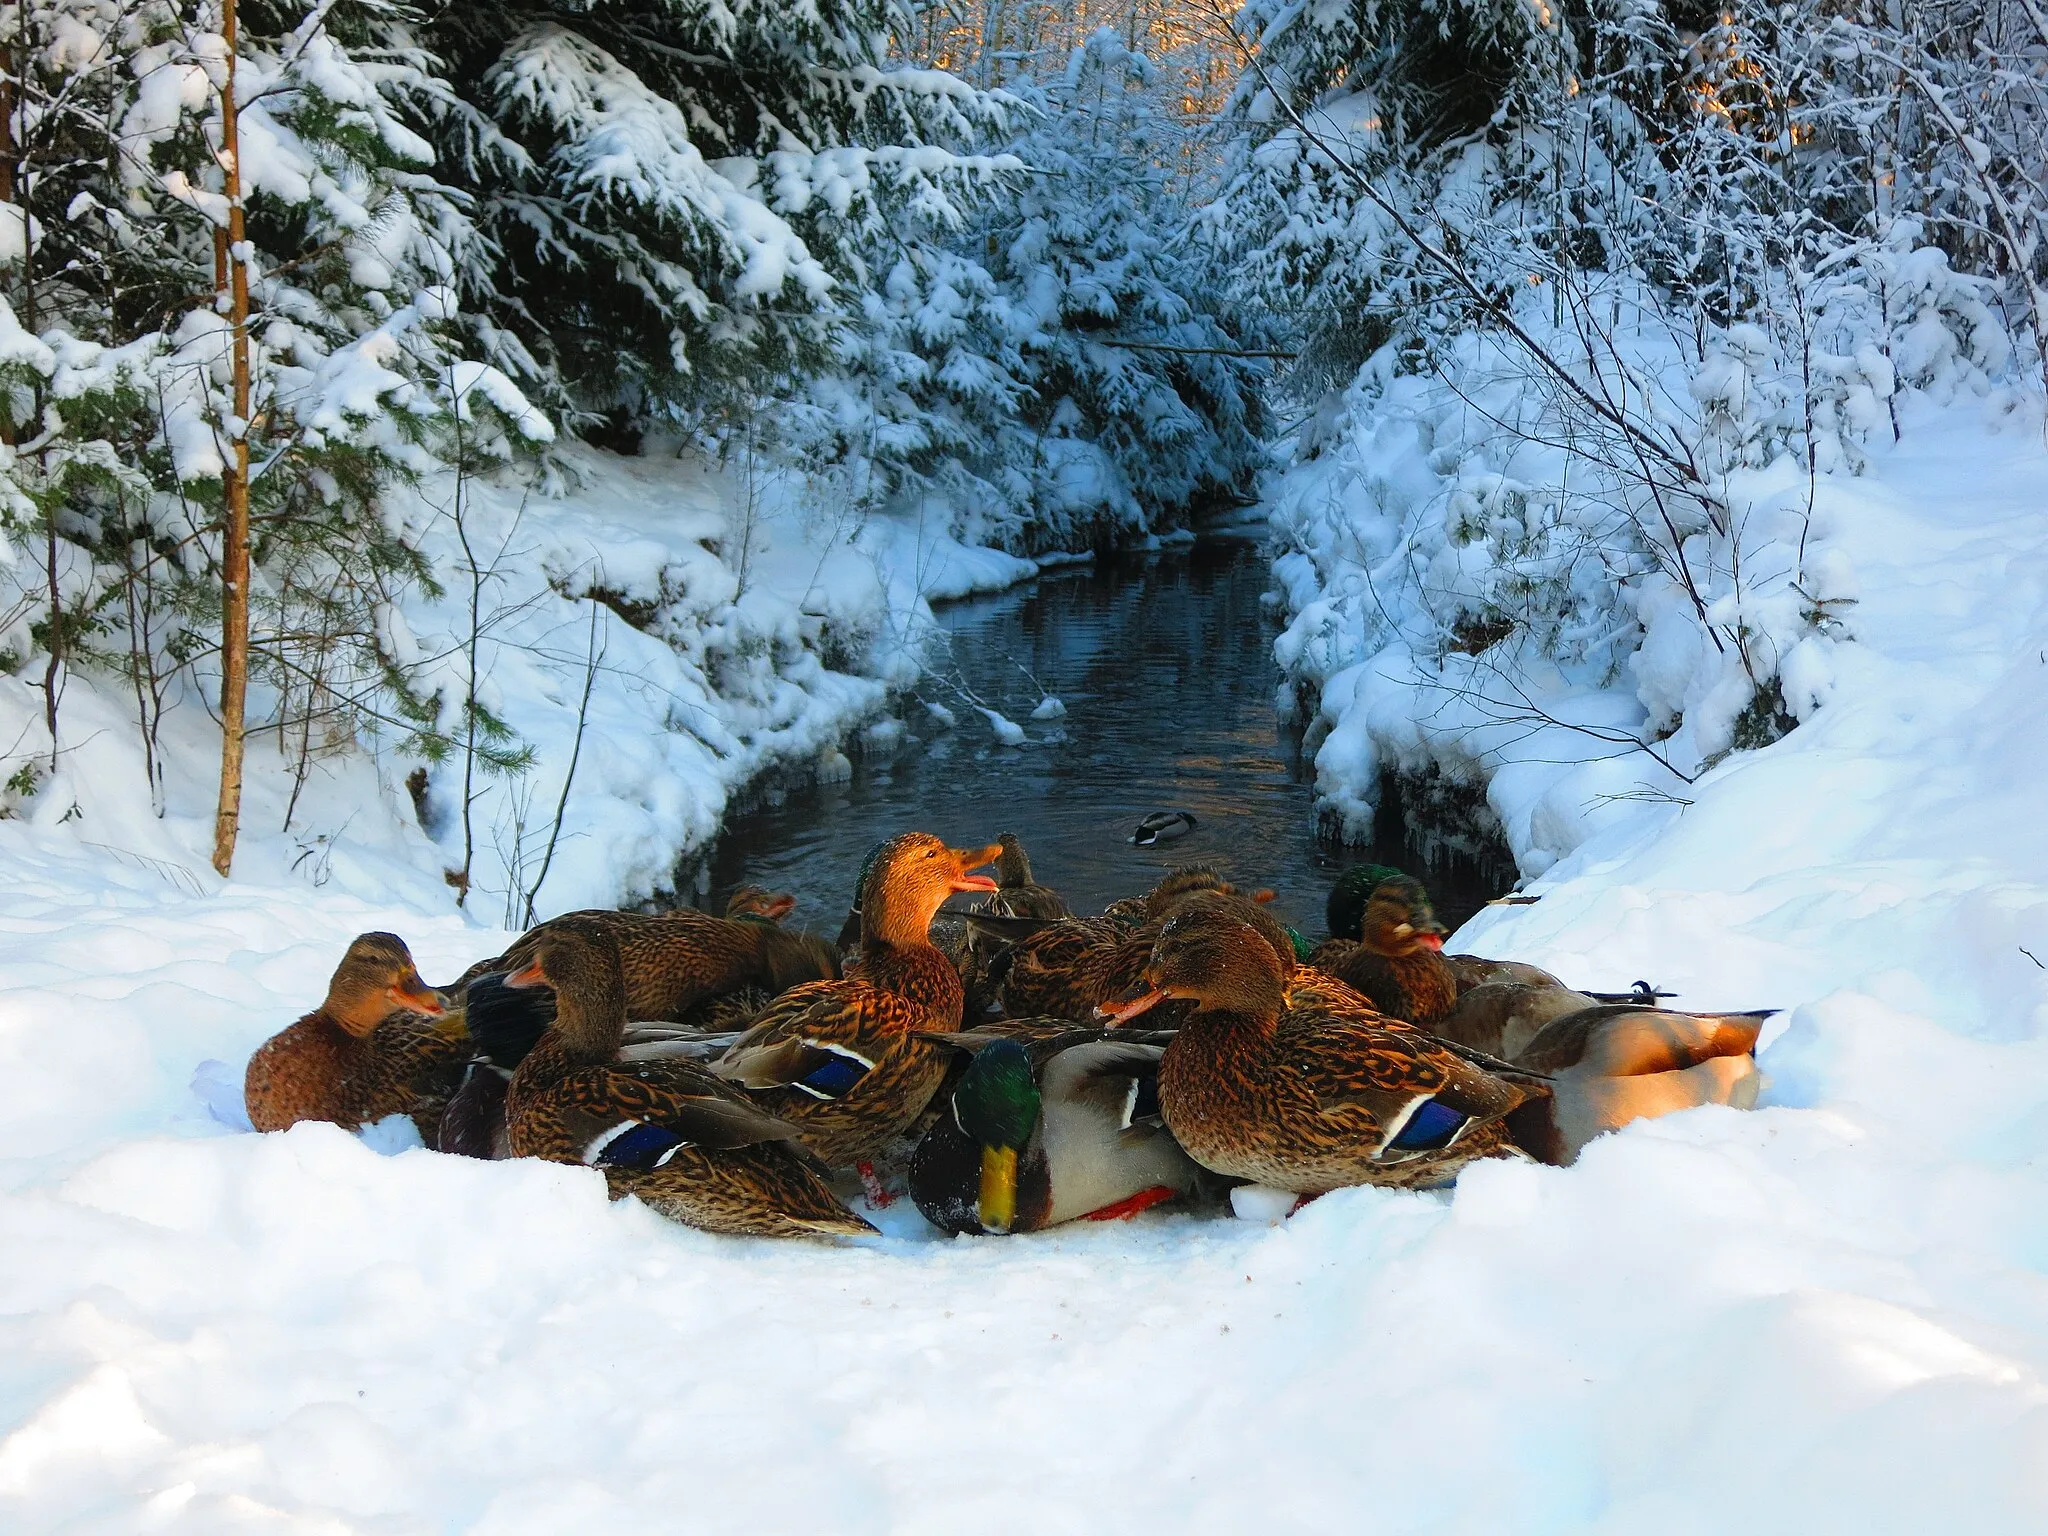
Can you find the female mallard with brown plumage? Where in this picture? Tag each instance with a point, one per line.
(1345, 913)
(1070, 968)
(674, 960)
(1397, 961)
(1017, 892)
(846, 1061)
(666, 1132)
(1305, 1092)
(369, 1050)
(683, 967)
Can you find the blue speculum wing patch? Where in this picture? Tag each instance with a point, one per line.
(640, 1148)
(834, 1077)
(1429, 1129)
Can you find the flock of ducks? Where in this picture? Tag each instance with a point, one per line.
(1014, 1065)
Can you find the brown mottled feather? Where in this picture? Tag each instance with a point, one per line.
(877, 1015)
(900, 987)
(1072, 968)
(673, 961)
(739, 1170)
(1067, 970)
(1300, 1086)
(359, 1056)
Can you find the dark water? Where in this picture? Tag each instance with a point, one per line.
(1165, 666)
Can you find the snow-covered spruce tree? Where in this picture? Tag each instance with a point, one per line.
(1065, 369)
(675, 190)
(120, 350)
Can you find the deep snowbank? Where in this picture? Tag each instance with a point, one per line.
(1831, 1314)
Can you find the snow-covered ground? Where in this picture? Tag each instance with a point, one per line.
(1828, 1315)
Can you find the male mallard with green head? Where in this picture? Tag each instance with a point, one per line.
(1047, 1125)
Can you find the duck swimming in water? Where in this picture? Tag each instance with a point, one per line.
(1163, 827)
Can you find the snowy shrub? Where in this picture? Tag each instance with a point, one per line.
(1593, 313)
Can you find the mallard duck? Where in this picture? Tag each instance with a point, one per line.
(1017, 894)
(504, 1024)
(1157, 904)
(1300, 1090)
(1397, 961)
(1163, 827)
(758, 904)
(1049, 1125)
(1345, 913)
(1613, 1063)
(367, 1051)
(1066, 969)
(675, 960)
(668, 1132)
(846, 1061)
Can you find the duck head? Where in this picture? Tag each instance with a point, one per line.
(1013, 864)
(997, 1105)
(581, 964)
(1345, 910)
(757, 904)
(1399, 922)
(912, 876)
(1214, 954)
(376, 980)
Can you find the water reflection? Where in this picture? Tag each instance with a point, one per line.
(1165, 666)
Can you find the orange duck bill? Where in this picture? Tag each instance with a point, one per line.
(415, 995)
(974, 858)
(528, 975)
(1123, 1013)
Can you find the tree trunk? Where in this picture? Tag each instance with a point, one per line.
(234, 632)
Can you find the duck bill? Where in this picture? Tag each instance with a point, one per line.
(1123, 1013)
(528, 975)
(779, 908)
(1433, 941)
(418, 999)
(975, 858)
(995, 1205)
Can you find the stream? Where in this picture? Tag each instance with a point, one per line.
(1164, 664)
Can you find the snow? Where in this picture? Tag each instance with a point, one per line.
(653, 637)
(1829, 1314)
(1007, 731)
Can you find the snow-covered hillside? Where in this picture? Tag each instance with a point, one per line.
(693, 628)
(1830, 1314)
